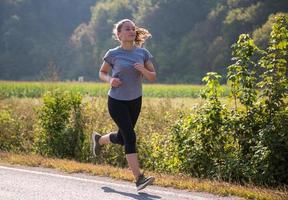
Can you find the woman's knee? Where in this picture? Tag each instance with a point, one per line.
(116, 138)
(130, 148)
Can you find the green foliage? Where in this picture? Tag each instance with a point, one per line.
(59, 130)
(274, 79)
(206, 149)
(212, 91)
(35, 32)
(156, 151)
(261, 35)
(162, 154)
(243, 14)
(243, 145)
(242, 79)
(274, 85)
(10, 139)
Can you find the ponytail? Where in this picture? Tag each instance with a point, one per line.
(142, 35)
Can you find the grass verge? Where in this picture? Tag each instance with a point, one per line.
(179, 182)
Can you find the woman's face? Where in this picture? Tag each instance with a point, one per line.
(127, 32)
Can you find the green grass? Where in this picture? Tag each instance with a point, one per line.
(10, 89)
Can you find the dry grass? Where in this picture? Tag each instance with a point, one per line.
(180, 182)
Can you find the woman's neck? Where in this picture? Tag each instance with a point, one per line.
(127, 45)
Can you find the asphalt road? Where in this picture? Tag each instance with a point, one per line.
(27, 183)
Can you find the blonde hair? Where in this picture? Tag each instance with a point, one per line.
(142, 34)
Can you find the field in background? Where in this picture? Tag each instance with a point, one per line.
(37, 89)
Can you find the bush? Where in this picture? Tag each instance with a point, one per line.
(10, 138)
(250, 141)
(59, 129)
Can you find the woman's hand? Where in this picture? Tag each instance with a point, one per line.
(147, 70)
(115, 82)
(104, 75)
(140, 67)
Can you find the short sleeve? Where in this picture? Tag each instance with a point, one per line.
(108, 57)
(147, 55)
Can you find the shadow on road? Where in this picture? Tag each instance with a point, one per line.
(139, 196)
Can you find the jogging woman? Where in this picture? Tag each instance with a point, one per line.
(129, 63)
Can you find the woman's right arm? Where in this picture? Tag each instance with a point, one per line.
(104, 75)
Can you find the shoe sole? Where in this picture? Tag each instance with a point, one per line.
(94, 144)
(149, 182)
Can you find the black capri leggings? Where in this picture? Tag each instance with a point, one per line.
(125, 115)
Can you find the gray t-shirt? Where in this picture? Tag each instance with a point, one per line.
(122, 62)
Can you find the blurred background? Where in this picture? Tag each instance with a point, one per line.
(66, 39)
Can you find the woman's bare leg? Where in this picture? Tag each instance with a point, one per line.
(133, 163)
(105, 139)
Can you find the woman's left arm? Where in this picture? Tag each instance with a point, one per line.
(147, 70)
